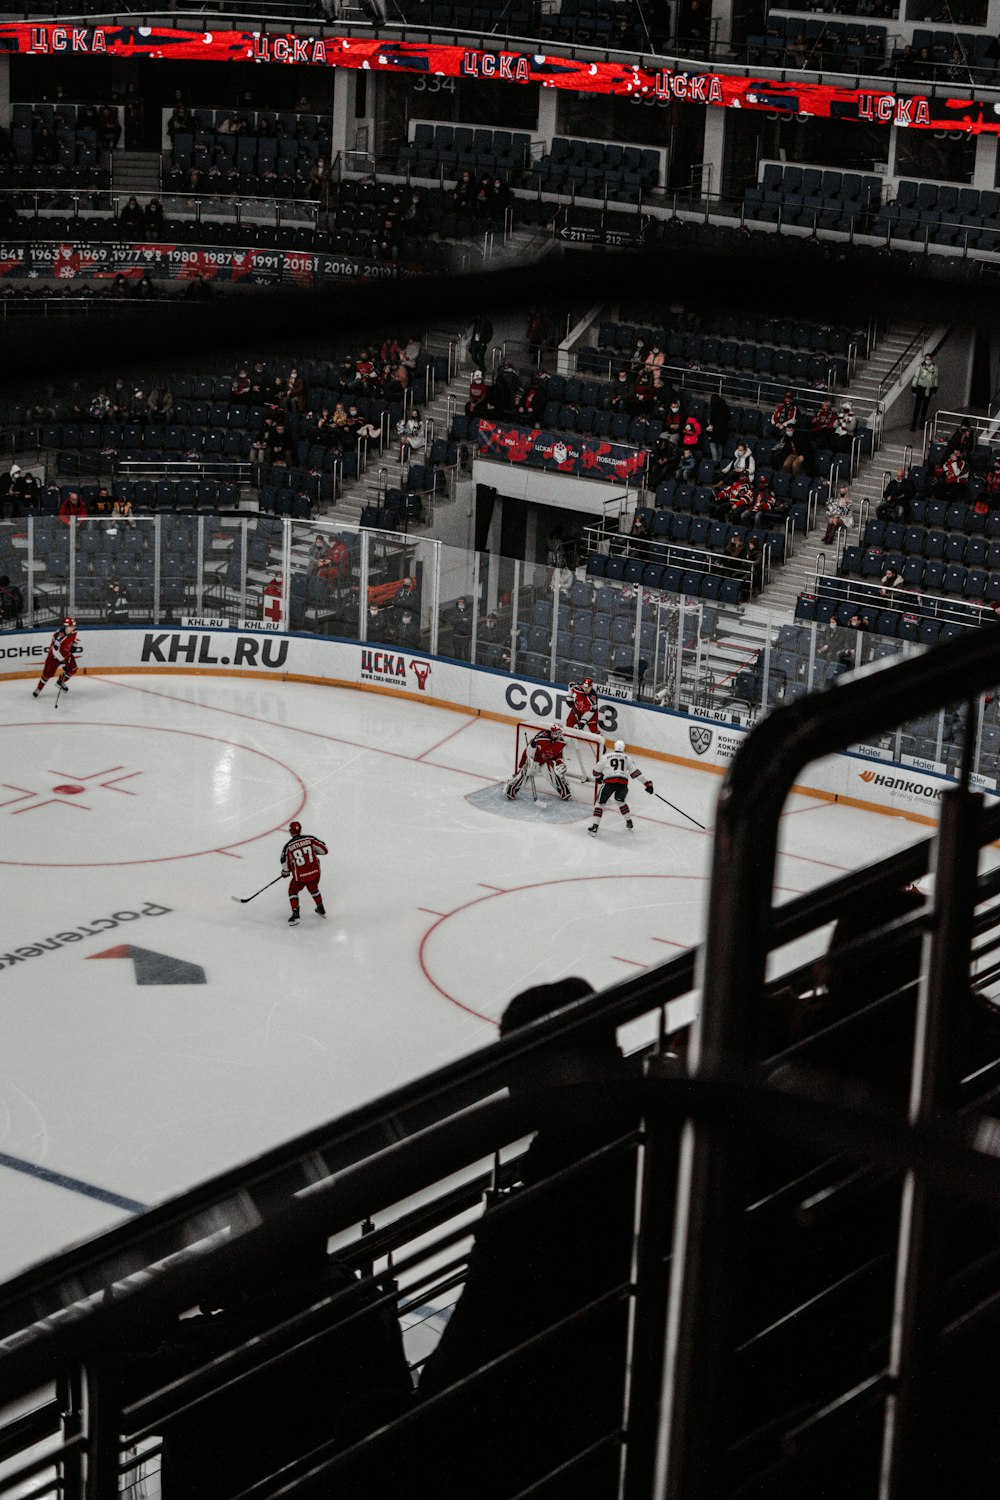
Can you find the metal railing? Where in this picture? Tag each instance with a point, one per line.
(772, 1135)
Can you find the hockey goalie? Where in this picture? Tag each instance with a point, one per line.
(545, 751)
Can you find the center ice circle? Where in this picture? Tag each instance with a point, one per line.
(99, 794)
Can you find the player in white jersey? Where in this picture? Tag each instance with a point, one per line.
(612, 774)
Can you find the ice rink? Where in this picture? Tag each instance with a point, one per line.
(154, 1033)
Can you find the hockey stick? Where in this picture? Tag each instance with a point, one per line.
(681, 811)
(244, 899)
(58, 692)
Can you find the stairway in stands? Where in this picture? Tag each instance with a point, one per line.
(135, 174)
(357, 493)
(742, 632)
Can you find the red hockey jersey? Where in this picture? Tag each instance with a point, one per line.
(301, 856)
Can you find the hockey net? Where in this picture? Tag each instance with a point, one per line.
(581, 755)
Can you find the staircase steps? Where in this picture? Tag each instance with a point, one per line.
(136, 173)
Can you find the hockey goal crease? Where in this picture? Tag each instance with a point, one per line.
(583, 751)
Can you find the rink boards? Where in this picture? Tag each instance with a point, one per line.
(864, 777)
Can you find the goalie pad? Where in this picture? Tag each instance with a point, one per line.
(514, 785)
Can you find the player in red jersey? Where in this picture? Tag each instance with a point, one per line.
(300, 860)
(545, 750)
(60, 658)
(583, 706)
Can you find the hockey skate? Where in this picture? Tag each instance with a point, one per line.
(293, 919)
(62, 685)
(628, 822)
(320, 909)
(592, 830)
(36, 692)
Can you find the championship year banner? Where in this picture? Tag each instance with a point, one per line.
(559, 452)
(104, 261)
(689, 85)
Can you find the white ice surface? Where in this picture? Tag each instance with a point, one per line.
(439, 911)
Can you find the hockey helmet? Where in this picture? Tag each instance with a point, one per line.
(555, 727)
(588, 682)
(69, 623)
(295, 829)
(619, 745)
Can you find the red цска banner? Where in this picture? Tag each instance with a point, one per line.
(720, 89)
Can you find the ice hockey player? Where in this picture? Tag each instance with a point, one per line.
(612, 774)
(583, 706)
(300, 860)
(544, 750)
(60, 657)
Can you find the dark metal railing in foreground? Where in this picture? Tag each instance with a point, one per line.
(769, 1152)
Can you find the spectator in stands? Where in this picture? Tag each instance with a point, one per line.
(924, 387)
(638, 356)
(690, 447)
(198, 289)
(521, 1281)
(796, 454)
(951, 479)
(741, 466)
(463, 197)
(797, 54)
(291, 392)
(963, 439)
(411, 435)
(319, 180)
(364, 374)
(654, 362)
(822, 424)
(130, 220)
(897, 499)
(482, 199)
(116, 604)
(993, 482)
(738, 497)
(45, 147)
(890, 579)
(480, 337)
(622, 392)
(839, 513)
(408, 631)
(717, 427)
(417, 215)
(152, 220)
(278, 444)
(72, 506)
(160, 404)
(844, 427)
(8, 493)
(122, 511)
(360, 427)
(180, 122)
(477, 394)
(11, 603)
(784, 413)
(639, 532)
(109, 127)
(500, 200)
(335, 432)
(958, 70)
(664, 458)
